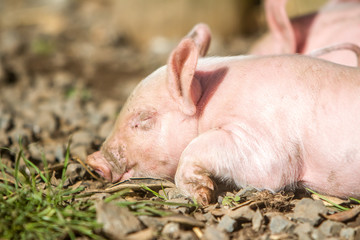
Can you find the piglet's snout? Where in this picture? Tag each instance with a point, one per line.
(100, 165)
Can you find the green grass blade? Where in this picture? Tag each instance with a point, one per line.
(327, 200)
(117, 195)
(6, 183)
(165, 194)
(152, 191)
(66, 163)
(355, 200)
(16, 172)
(156, 211)
(33, 166)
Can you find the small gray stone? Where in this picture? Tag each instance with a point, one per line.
(146, 234)
(3, 139)
(35, 150)
(227, 223)
(109, 108)
(318, 235)
(44, 122)
(75, 171)
(331, 228)
(212, 233)
(244, 214)
(106, 128)
(153, 222)
(79, 151)
(280, 224)
(257, 220)
(246, 192)
(188, 235)
(303, 230)
(5, 122)
(171, 230)
(172, 193)
(10, 41)
(348, 233)
(180, 209)
(210, 218)
(63, 79)
(117, 221)
(81, 138)
(308, 210)
(59, 152)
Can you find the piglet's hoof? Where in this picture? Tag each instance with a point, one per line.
(203, 195)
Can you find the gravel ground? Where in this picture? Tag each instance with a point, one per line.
(52, 92)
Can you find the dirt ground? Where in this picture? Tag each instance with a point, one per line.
(61, 82)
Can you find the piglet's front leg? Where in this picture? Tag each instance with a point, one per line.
(206, 156)
(239, 154)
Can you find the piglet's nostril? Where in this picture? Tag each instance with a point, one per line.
(100, 165)
(98, 171)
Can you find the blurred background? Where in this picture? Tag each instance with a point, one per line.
(67, 66)
(113, 44)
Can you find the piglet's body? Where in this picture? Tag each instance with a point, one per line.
(266, 121)
(336, 23)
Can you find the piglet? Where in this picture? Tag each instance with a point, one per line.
(335, 23)
(265, 121)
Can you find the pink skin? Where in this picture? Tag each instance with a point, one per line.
(336, 23)
(265, 121)
(120, 156)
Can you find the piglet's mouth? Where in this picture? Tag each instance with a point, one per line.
(119, 178)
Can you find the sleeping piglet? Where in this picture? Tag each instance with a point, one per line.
(264, 121)
(336, 23)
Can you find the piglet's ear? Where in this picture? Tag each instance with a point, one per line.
(280, 24)
(183, 87)
(201, 35)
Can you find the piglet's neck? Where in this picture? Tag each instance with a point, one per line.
(209, 82)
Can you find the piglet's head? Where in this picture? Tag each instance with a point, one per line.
(159, 118)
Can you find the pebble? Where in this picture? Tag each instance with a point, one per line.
(318, 235)
(308, 210)
(303, 230)
(44, 122)
(171, 230)
(212, 233)
(257, 220)
(348, 233)
(146, 234)
(3, 139)
(5, 121)
(246, 192)
(187, 235)
(172, 193)
(75, 171)
(152, 222)
(179, 209)
(35, 151)
(81, 137)
(117, 221)
(210, 218)
(227, 223)
(105, 129)
(244, 214)
(280, 224)
(109, 108)
(79, 151)
(331, 228)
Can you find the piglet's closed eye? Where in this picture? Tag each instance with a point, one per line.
(144, 120)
